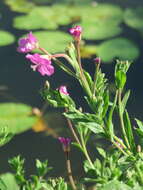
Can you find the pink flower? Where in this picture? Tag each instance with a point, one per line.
(65, 141)
(63, 90)
(41, 63)
(27, 44)
(76, 32)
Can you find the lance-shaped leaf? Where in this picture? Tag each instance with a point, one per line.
(139, 130)
(129, 131)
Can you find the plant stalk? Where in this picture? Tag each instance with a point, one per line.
(85, 152)
(69, 171)
(82, 76)
(72, 129)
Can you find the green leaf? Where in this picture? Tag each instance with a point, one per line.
(20, 5)
(94, 127)
(116, 185)
(120, 79)
(109, 120)
(89, 79)
(104, 13)
(129, 131)
(98, 30)
(106, 103)
(2, 185)
(133, 17)
(38, 18)
(5, 136)
(57, 99)
(101, 152)
(140, 129)
(9, 181)
(53, 41)
(121, 48)
(125, 100)
(6, 38)
(42, 167)
(16, 117)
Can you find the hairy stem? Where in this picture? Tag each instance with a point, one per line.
(82, 76)
(72, 129)
(69, 171)
(85, 152)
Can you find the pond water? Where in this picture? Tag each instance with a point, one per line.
(23, 86)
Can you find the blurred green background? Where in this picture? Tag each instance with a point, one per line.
(112, 29)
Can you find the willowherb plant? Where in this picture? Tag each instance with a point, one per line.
(121, 167)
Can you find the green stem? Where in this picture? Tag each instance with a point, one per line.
(85, 151)
(82, 76)
(120, 148)
(121, 119)
(120, 142)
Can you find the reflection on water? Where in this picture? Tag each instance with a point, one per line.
(23, 85)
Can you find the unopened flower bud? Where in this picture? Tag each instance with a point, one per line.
(76, 32)
(97, 60)
(63, 90)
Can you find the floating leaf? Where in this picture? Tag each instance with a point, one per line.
(98, 30)
(116, 185)
(43, 18)
(20, 5)
(42, 1)
(134, 17)
(6, 38)
(75, 2)
(53, 41)
(38, 18)
(104, 13)
(16, 117)
(10, 182)
(117, 48)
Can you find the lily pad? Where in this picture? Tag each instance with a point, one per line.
(55, 41)
(43, 18)
(121, 48)
(16, 117)
(9, 180)
(6, 38)
(104, 13)
(20, 5)
(116, 185)
(99, 31)
(134, 17)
